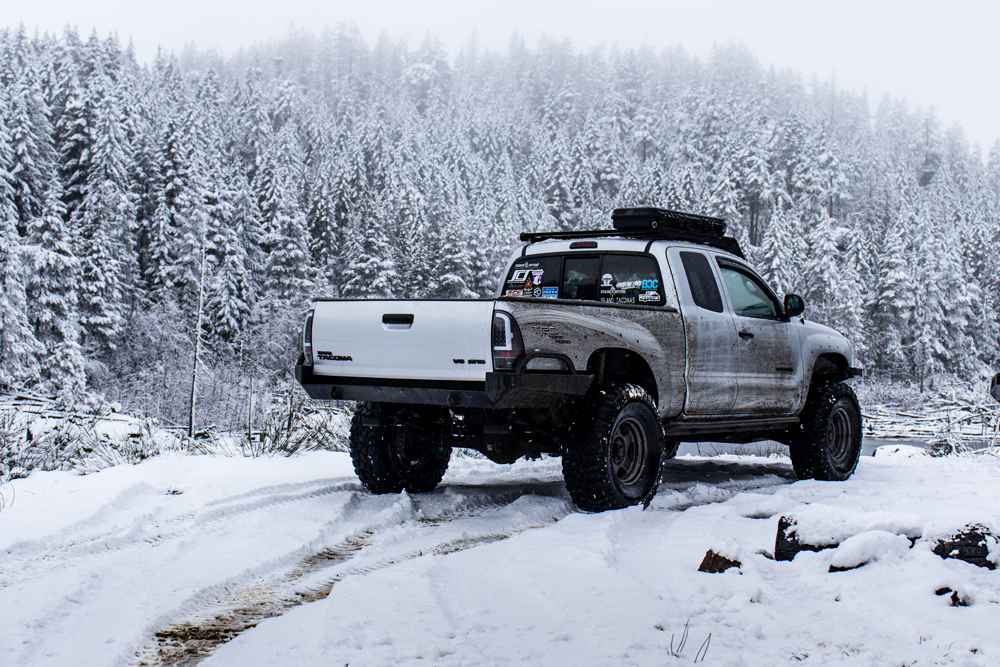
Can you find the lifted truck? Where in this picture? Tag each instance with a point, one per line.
(606, 348)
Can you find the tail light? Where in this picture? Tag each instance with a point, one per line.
(307, 339)
(508, 346)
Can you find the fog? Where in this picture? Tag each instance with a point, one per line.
(929, 53)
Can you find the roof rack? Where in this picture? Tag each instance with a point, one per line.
(654, 223)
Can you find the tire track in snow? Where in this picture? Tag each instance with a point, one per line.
(221, 619)
(32, 560)
(691, 483)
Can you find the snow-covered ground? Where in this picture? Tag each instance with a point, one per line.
(288, 561)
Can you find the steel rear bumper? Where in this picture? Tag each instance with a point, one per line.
(501, 390)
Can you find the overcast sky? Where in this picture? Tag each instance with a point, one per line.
(941, 54)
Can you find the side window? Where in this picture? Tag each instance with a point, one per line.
(534, 276)
(704, 288)
(581, 278)
(631, 279)
(749, 297)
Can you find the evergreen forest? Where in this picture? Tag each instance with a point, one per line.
(163, 226)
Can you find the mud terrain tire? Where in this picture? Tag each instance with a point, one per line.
(829, 444)
(390, 458)
(670, 448)
(614, 450)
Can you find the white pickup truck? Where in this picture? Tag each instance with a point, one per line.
(604, 347)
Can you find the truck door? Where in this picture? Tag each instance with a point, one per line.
(710, 333)
(770, 367)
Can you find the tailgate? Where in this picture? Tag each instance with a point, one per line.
(405, 339)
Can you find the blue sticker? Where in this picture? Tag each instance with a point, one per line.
(550, 292)
(650, 284)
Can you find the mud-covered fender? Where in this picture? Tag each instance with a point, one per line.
(578, 329)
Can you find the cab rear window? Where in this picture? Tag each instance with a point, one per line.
(619, 278)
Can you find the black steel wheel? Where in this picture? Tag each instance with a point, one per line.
(389, 457)
(828, 446)
(613, 453)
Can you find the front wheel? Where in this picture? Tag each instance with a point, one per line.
(614, 450)
(829, 445)
(390, 457)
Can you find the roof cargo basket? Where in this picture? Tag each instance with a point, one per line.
(667, 221)
(654, 223)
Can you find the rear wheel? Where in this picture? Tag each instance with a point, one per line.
(390, 457)
(829, 445)
(613, 453)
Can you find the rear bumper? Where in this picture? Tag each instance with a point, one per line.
(499, 391)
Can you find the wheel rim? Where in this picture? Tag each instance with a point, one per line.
(629, 447)
(407, 454)
(839, 435)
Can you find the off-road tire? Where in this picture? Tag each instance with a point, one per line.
(670, 448)
(613, 453)
(384, 466)
(829, 444)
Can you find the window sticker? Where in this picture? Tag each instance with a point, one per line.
(536, 291)
(650, 284)
(520, 275)
(550, 292)
(607, 281)
(514, 292)
(536, 276)
(631, 284)
(646, 297)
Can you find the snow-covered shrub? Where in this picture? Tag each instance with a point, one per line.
(14, 441)
(947, 440)
(31, 440)
(96, 450)
(880, 391)
(287, 433)
(284, 433)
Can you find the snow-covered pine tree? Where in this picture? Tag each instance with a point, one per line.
(167, 222)
(19, 349)
(52, 299)
(780, 251)
(232, 294)
(33, 165)
(370, 269)
(102, 221)
(894, 300)
(450, 277)
(289, 276)
(556, 183)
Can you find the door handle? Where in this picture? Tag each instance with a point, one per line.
(746, 335)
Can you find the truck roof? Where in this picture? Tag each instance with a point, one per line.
(614, 243)
(648, 224)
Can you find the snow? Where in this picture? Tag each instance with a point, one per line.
(869, 546)
(822, 525)
(298, 565)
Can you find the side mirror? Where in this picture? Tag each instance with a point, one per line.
(794, 305)
(995, 387)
